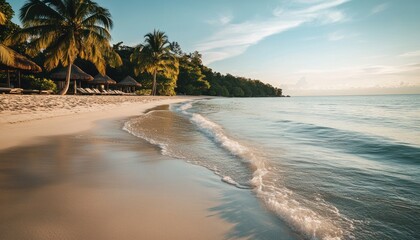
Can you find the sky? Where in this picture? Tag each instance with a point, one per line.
(305, 47)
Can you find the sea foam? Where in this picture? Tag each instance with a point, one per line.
(280, 200)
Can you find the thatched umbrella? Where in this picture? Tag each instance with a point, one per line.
(11, 60)
(129, 83)
(75, 74)
(100, 79)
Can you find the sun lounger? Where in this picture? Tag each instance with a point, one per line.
(5, 90)
(30, 91)
(90, 91)
(82, 91)
(16, 91)
(45, 92)
(96, 91)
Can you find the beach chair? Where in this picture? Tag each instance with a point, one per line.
(120, 92)
(90, 91)
(16, 91)
(82, 91)
(5, 90)
(111, 92)
(96, 91)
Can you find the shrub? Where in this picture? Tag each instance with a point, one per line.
(40, 83)
(144, 92)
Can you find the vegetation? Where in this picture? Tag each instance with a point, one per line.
(40, 83)
(155, 57)
(65, 30)
(7, 28)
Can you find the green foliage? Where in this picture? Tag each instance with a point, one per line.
(40, 83)
(232, 86)
(190, 79)
(166, 86)
(156, 57)
(7, 27)
(65, 30)
(144, 92)
(238, 92)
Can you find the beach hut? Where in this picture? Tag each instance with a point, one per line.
(129, 84)
(102, 80)
(76, 74)
(11, 61)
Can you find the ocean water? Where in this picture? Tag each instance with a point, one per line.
(331, 167)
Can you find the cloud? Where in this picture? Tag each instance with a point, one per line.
(364, 70)
(339, 35)
(222, 20)
(233, 39)
(387, 69)
(379, 8)
(411, 54)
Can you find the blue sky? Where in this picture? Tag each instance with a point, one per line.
(306, 47)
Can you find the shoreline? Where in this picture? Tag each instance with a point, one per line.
(93, 180)
(24, 126)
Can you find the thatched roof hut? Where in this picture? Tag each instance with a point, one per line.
(76, 74)
(103, 80)
(11, 60)
(129, 82)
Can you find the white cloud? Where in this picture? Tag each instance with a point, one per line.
(221, 20)
(334, 17)
(411, 54)
(234, 39)
(389, 69)
(364, 70)
(379, 8)
(339, 35)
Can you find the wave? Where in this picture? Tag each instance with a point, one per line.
(368, 146)
(282, 201)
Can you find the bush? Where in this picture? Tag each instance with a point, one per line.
(44, 84)
(144, 92)
(41, 83)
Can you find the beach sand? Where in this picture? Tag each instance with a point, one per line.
(80, 176)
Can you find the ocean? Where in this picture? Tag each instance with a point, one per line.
(342, 167)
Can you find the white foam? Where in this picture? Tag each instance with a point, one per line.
(217, 133)
(185, 106)
(282, 201)
(230, 181)
(277, 198)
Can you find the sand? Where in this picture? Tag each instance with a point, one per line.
(26, 117)
(75, 174)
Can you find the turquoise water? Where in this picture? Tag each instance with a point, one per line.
(330, 167)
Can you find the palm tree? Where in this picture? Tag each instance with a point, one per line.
(65, 30)
(155, 57)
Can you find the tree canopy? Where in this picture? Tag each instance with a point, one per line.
(155, 57)
(66, 29)
(63, 32)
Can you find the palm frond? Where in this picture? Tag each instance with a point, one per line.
(2, 18)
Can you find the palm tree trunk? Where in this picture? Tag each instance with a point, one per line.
(154, 84)
(67, 83)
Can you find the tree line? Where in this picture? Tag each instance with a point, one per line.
(62, 33)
